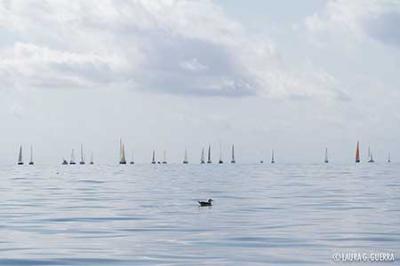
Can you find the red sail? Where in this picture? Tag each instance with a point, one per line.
(358, 152)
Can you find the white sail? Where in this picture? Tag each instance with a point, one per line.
(233, 154)
(209, 154)
(153, 161)
(82, 157)
(202, 159)
(326, 155)
(122, 159)
(273, 157)
(20, 161)
(72, 161)
(185, 158)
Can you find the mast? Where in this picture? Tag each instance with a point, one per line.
(153, 161)
(202, 160)
(31, 161)
(122, 152)
(82, 159)
(273, 157)
(209, 154)
(20, 161)
(185, 158)
(72, 161)
(326, 155)
(358, 152)
(233, 154)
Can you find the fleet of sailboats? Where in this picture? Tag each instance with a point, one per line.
(185, 160)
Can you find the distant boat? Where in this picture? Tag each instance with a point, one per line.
(233, 154)
(220, 161)
(132, 159)
(358, 152)
(31, 160)
(20, 161)
(91, 158)
(153, 161)
(209, 154)
(82, 159)
(389, 160)
(370, 156)
(326, 156)
(72, 161)
(273, 157)
(122, 158)
(202, 160)
(164, 158)
(261, 161)
(185, 158)
(64, 162)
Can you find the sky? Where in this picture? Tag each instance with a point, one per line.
(293, 76)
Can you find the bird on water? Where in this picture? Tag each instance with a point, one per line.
(205, 203)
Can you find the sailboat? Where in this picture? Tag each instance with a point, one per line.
(31, 161)
(326, 156)
(220, 161)
(358, 152)
(209, 154)
(122, 159)
(233, 154)
(202, 159)
(72, 161)
(273, 157)
(82, 159)
(91, 158)
(370, 156)
(153, 161)
(20, 161)
(185, 159)
(64, 162)
(164, 158)
(132, 160)
(389, 160)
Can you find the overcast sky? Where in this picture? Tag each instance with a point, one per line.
(294, 76)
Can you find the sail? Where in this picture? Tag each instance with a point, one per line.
(20, 156)
(153, 161)
(185, 158)
(91, 158)
(72, 157)
(233, 154)
(122, 159)
(82, 159)
(358, 152)
(209, 154)
(202, 160)
(31, 158)
(369, 153)
(273, 157)
(220, 155)
(326, 155)
(389, 160)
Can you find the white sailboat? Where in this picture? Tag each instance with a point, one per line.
(122, 159)
(132, 159)
(31, 160)
(233, 154)
(82, 157)
(209, 154)
(72, 161)
(326, 156)
(370, 156)
(185, 158)
(20, 161)
(202, 159)
(220, 161)
(153, 161)
(389, 160)
(91, 158)
(273, 157)
(164, 157)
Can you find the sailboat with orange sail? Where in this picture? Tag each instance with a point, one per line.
(358, 152)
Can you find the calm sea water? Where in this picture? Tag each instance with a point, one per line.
(148, 215)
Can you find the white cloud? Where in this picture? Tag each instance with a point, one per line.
(169, 46)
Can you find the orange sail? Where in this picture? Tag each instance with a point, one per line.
(358, 152)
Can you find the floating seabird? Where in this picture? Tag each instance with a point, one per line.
(205, 203)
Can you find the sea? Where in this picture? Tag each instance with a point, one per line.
(262, 214)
